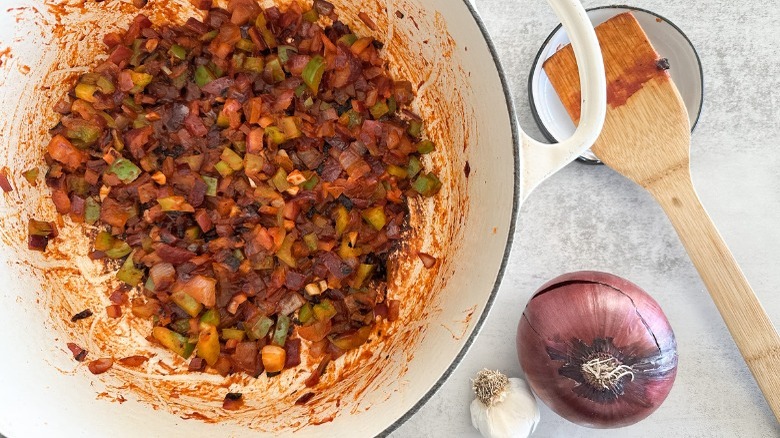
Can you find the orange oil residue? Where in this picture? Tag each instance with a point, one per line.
(5, 53)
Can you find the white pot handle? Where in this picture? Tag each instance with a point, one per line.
(540, 160)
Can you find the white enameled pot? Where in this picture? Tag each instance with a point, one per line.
(488, 166)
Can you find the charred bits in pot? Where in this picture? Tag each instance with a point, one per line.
(233, 401)
(86, 313)
(302, 400)
(78, 353)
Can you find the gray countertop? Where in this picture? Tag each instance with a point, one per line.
(588, 217)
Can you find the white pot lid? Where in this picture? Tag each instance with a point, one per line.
(669, 41)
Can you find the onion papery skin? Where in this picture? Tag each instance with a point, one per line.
(580, 316)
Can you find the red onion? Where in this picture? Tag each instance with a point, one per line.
(323, 7)
(100, 366)
(597, 349)
(133, 361)
(427, 259)
(4, 183)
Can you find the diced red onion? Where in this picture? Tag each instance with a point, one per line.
(291, 302)
(100, 366)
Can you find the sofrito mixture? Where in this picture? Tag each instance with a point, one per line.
(249, 173)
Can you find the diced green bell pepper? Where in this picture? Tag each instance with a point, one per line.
(223, 168)
(104, 241)
(348, 39)
(238, 61)
(254, 64)
(236, 334)
(125, 170)
(245, 45)
(211, 185)
(235, 161)
(181, 326)
(311, 15)
(178, 52)
(118, 250)
(210, 317)
(129, 273)
(135, 59)
(86, 134)
(280, 180)
(363, 273)
(312, 73)
(379, 109)
(40, 228)
(175, 203)
(86, 92)
(259, 327)
(414, 167)
(398, 172)
(425, 147)
(284, 53)
(311, 183)
(285, 252)
(208, 36)
(187, 303)
(427, 184)
(392, 105)
(275, 135)
(281, 329)
(274, 67)
(203, 76)
(208, 344)
(31, 175)
(353, 118)
(375, 217)
(305, 313)
(140, 81)
(105, 85)
(92, 210)
(175, 342)
(192, 234)
(342, 220)
(324, 310)
(312, 241)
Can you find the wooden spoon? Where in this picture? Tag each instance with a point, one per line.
(646, 138)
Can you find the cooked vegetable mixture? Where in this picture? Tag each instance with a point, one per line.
(249, 173)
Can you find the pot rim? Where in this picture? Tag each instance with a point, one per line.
(510, 104)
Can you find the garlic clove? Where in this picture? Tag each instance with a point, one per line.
(504, 407)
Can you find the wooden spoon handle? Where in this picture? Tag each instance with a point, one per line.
(751, 328)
